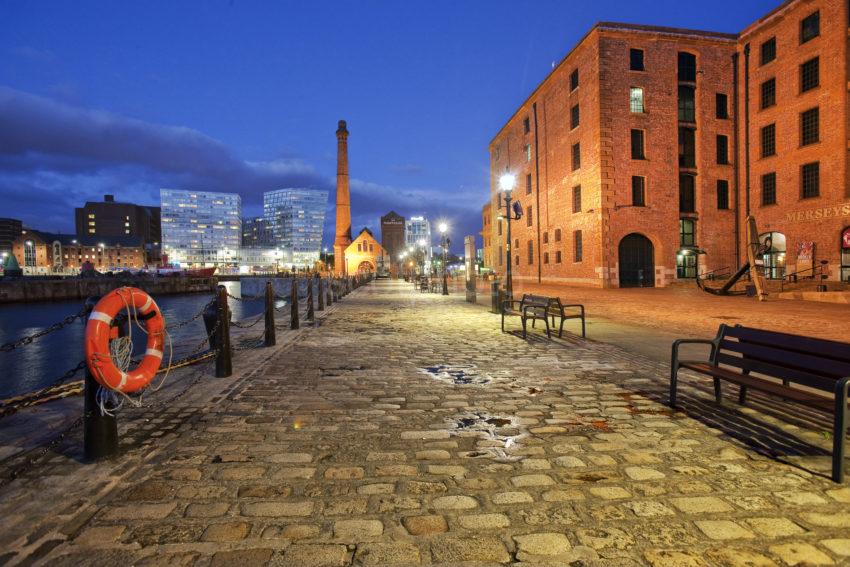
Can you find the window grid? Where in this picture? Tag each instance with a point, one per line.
(530, 251)
(810, 27)
(768, 93)
(687, 232)
(557, 256)
(687, 197)
(576, 156)
(574, 117)
(577, 199)
(528, 216)
(557, 235)
(721, 106)
(578, 252)
(574, 80)
(810, 126)
(768, 140)
(528, 184)
(636, 105)
(722, 149)
(526, 124)
(768, 51)
(687, 104)
(809, 74)
(768, 189)
(811, 180)
(687, 67)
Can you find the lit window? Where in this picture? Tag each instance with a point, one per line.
(636, 100)
(528, 153)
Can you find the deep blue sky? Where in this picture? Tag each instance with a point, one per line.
(244, 96)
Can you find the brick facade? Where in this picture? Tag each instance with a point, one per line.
(591, 223)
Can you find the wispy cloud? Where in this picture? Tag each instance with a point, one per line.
(408, 169)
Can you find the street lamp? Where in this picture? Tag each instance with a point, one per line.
(444, 242)
(506, 184)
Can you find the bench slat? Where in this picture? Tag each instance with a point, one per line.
(782, 357)
(827, 384)
(835, 350)
(810, 399)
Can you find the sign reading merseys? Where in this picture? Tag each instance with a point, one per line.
(818, 214)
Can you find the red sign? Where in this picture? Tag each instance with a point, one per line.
(845, 238)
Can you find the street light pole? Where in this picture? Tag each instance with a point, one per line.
(444, 242)
(506, 183)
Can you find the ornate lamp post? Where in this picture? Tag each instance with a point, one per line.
(444, 243)
(506, 184)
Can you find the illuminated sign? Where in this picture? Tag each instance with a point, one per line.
(820, 213)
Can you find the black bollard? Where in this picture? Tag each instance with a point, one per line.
(330, 295)
(100, 431)
(311, 315)
(270, 339)
(293, 298)
(321, 306)
(211, 322)
(224, 359)
(495, 304)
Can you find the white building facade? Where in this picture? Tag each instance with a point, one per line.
(296, 218)
(417, 234)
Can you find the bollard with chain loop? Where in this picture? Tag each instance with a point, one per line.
(100, 431)
(311, 316)
(223, 359)
(321, 298)
(269, 335)
(293, 299)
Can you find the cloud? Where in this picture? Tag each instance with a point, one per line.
(60, 150)
(408, 169)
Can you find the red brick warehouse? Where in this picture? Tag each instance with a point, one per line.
(638, 158)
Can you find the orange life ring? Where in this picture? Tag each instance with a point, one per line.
(99, 331)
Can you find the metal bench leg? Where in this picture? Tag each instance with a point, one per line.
(524, 322)
(742, 393)
(583, 334)
(548, 332)
(840, 430)
(717, 393)
(674, 376)
(503, 321)
(561, 327)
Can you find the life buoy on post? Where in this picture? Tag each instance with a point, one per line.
(99, 331)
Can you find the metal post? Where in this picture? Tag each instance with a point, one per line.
(495, 307)
(321, 298)
(293, 299)
(311, 316)
(211, 322)
(223, 360)
(270, 333)
(509, 287)
(100, 431)
(330, 293)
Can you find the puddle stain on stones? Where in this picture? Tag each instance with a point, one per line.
(460, 374)
(506, 430)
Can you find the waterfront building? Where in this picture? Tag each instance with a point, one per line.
(113, 218)
(365, 254)
(257, 233)
(392, 238)
(487, 235)
(263, 260)
(417, 230)
(10, 230)
(604, 205)
(201, 228)
(296, 218)
(45, 253)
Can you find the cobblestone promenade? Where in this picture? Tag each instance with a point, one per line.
(406, 429)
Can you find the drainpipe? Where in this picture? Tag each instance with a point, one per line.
(537, 185)
(737, 189)
(747, 126)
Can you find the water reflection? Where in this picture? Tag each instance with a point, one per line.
(38, 364)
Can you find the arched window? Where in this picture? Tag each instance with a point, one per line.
(774, 258)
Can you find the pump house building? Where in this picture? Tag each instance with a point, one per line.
(638, 158)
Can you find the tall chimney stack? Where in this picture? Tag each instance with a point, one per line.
(343, 200)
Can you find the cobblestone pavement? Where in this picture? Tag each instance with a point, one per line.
(408, 430)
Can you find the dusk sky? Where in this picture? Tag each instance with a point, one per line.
(244, 96)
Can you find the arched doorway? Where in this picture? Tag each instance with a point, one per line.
(637, 261)
(774, 258)
(845, 255)
(365, 267)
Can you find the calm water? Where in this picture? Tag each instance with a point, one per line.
(38, 364)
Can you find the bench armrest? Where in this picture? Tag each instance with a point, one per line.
(579, 305)
(526, 308)
(509, 303)
(674, 359)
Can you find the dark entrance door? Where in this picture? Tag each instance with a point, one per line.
(637, 261)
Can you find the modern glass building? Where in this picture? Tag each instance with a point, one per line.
(256, 233)
(201, 228)
(297, 219)
(417, 230)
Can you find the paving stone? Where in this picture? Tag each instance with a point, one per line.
(139, 511)
(448, 470)
(266, 491)
(829, 520)
(358, 530)
(425, 525)
(391, 456)
(673, 558)
(228, 531)
(562, 495)
(723, 529)
(346, 507)
(484, 521)
(377, 488)
(419, 435)
(255, 557)
(512, 498)
(277, 509)
(433, 455)
(737, 557)
(837, 546)
(610, 492)
(292, 532)
(387, 554)
(570, 462)
(775, 527)
(315, 555)
(287, 473)
(344, 473)
(99, 535)
(701, 505)
(239, 473)
(608, 537)
(289, 458)
(472, 548)
(531, 546)
(454, 503)
(643, 473)
(801, 554)
(532, 480)
(206, 510)
(419, 487)
(396, 470)
(840, 495)
(650, 508)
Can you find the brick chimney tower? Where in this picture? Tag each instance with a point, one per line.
(343, 200)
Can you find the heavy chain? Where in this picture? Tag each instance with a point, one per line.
(194, 318)
(254, 298)
(240, 325)
(46, 331)
(34, 459)
(12, 405)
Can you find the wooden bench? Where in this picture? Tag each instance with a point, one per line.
(556, 309)
(531, 307)
(774, 363)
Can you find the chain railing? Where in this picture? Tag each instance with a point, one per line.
(10, 346)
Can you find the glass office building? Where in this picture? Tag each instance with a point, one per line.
(416, 230)
(297, 219)
(201, 228)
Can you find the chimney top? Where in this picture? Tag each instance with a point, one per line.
(342, 129)
(108, 198)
